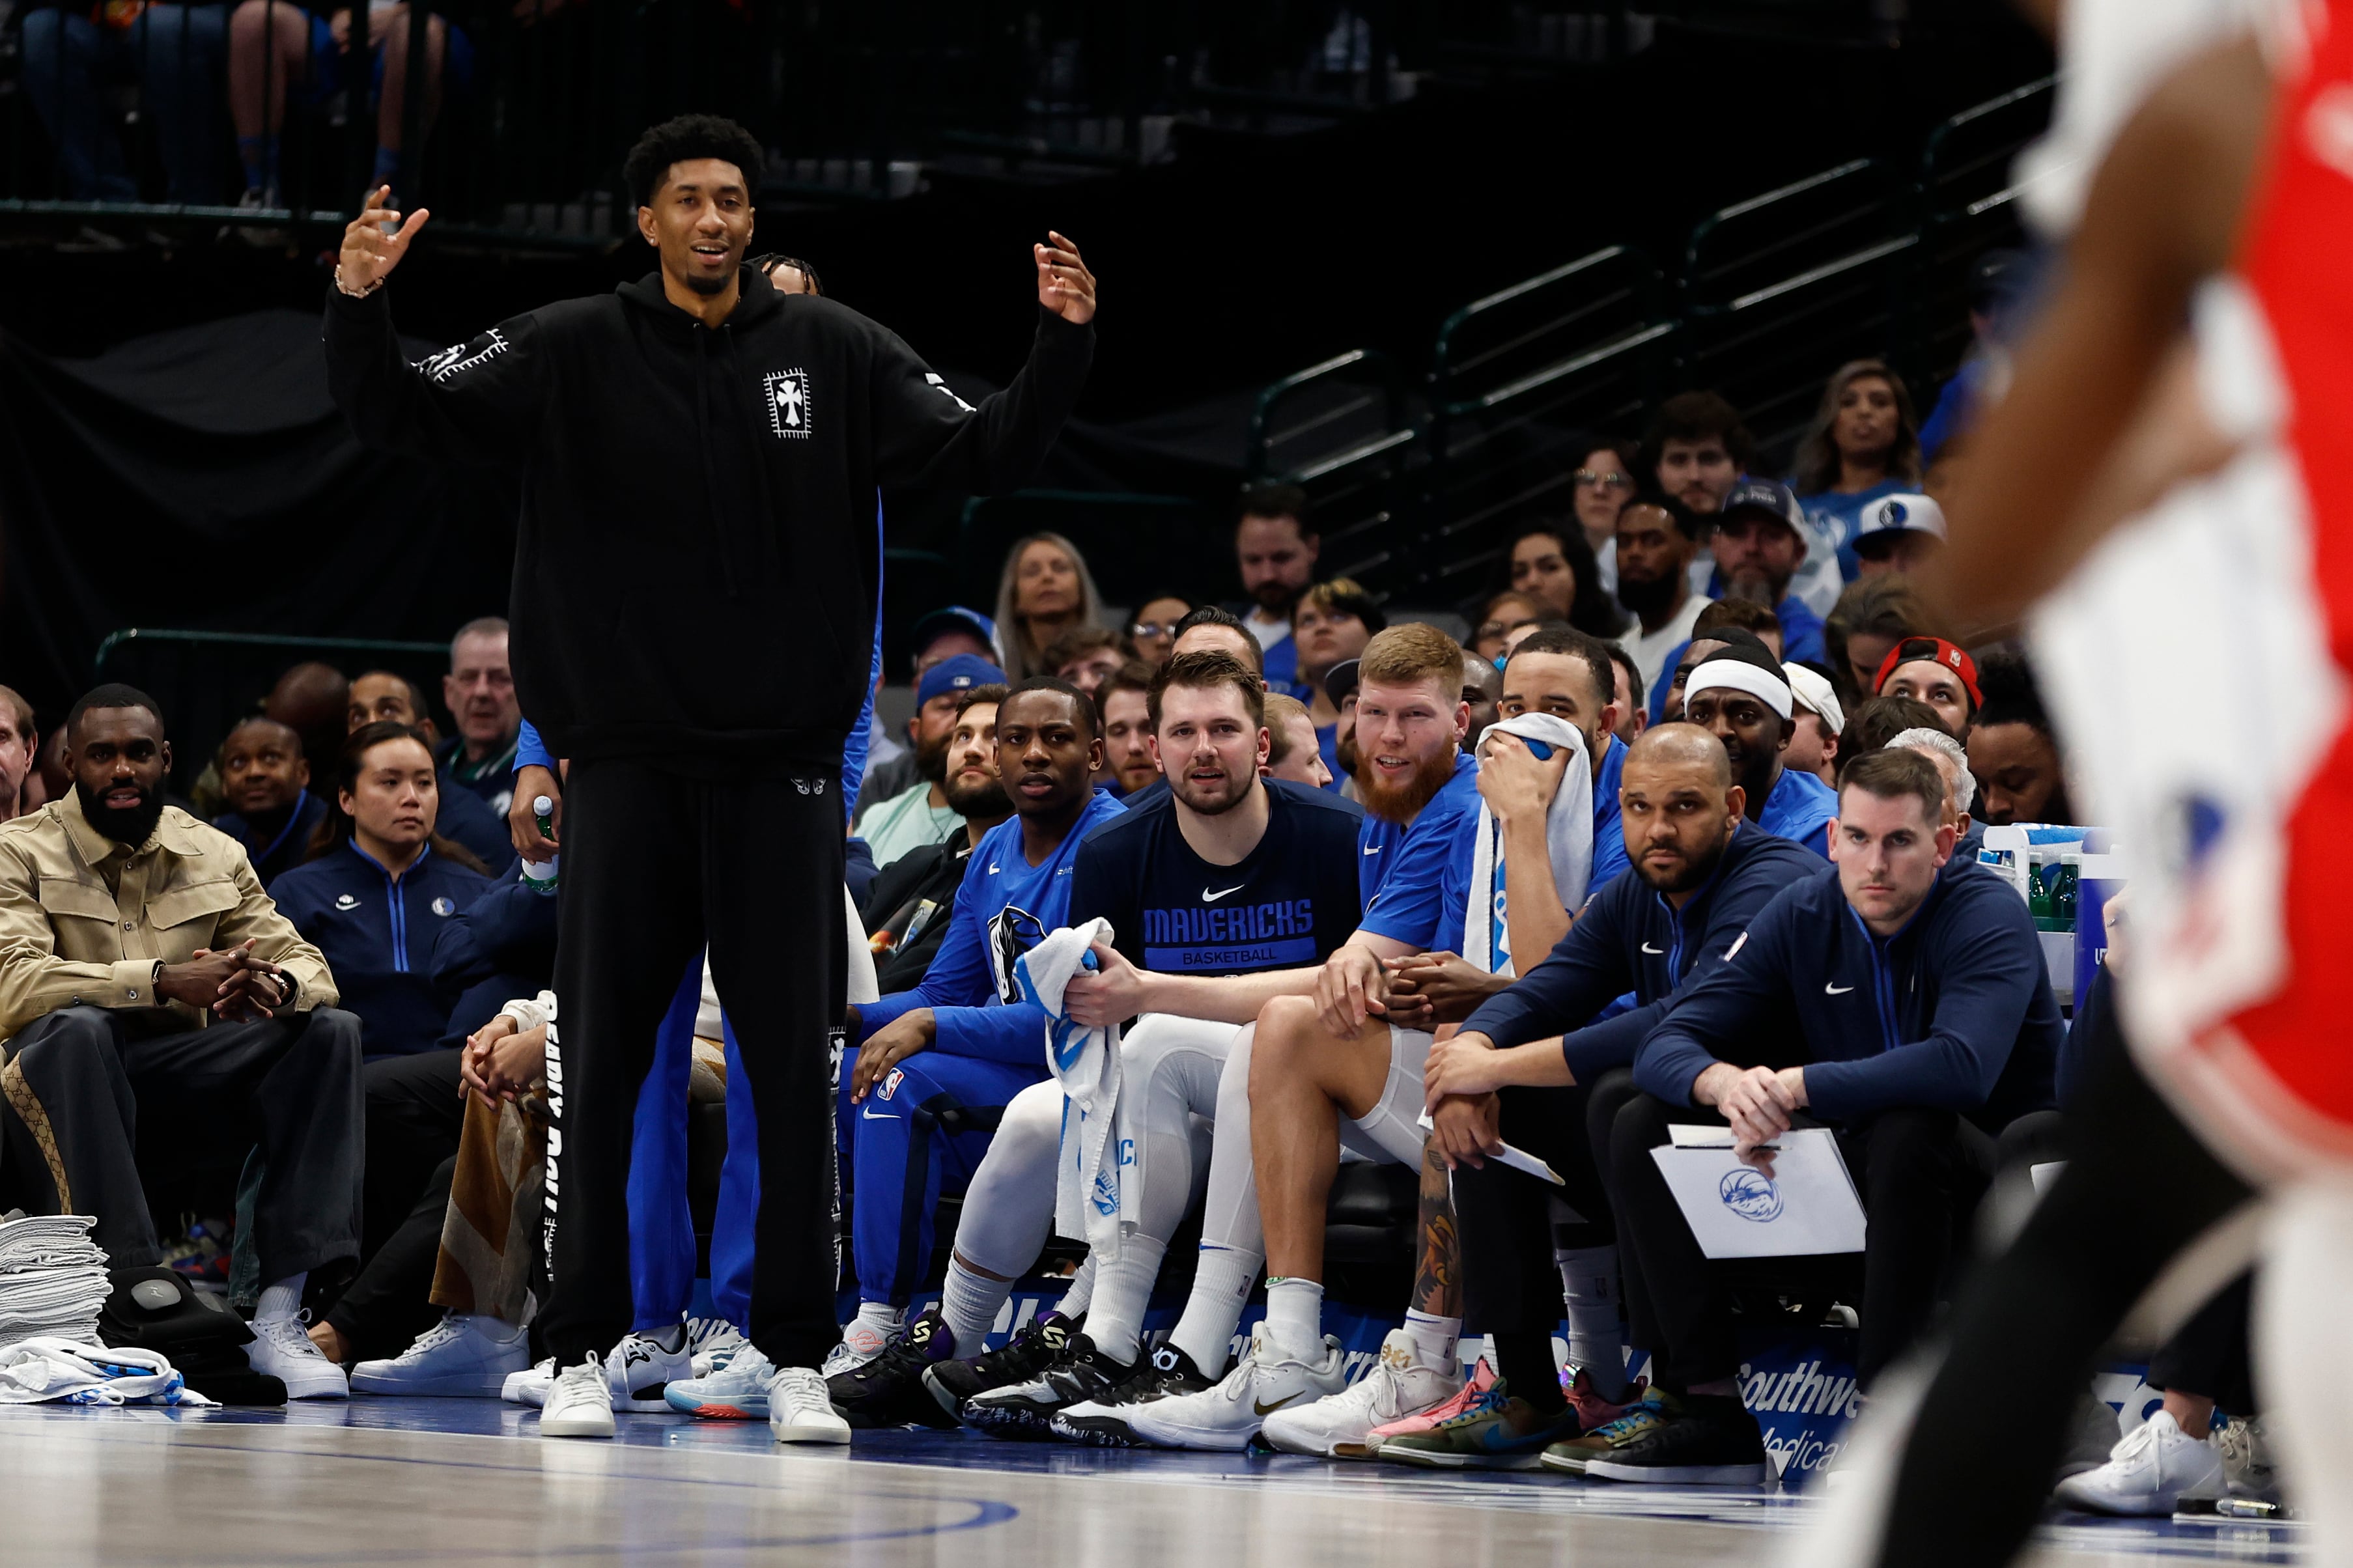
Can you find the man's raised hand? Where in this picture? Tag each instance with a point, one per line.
(1064, 285)
(369, 253)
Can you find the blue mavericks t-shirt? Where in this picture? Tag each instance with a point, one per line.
(1290, 902)
(1799, 808)
(1406, 896)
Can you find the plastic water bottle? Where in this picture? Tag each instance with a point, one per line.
(541, 878)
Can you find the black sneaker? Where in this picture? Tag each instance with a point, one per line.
(1103, 1420)
(1037, 1347)
(889, 1390)
(1712, 1441)
(1027, 1410)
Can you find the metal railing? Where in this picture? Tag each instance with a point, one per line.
(1344, 431)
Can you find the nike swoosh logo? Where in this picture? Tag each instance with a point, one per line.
(1271, 1409)
(1836, 990)
(1374, 850)
(1660, 952)
(1210, 898)
(992, 867)
(868, 1115)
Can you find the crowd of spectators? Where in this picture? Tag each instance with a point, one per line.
(1701, 728)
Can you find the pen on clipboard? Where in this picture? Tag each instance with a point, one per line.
(1518, 1159)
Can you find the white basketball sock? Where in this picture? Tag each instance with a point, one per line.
(969, 1302)
(1117, 1315)
(1294, 1317)
(1222, 1278)
(281, 1300)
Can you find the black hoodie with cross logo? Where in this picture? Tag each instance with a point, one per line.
(695, 564)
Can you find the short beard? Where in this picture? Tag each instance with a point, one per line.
(1692, 874)
(1276, 597)
(711, 288)
(1180, 786)
(1400, 803)
(1647, 600)
(1757, 589)
(133, 826)
(978, 801)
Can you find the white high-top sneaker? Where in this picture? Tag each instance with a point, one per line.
(2146, 1473)
(464, 1354)
(1396, 1386)
(1264, 1382)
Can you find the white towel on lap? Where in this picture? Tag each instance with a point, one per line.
(1568, 842)
(1089, 1197)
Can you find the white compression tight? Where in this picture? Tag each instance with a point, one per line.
(1233, 1243)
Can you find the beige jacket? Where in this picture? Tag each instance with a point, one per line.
(66, 938)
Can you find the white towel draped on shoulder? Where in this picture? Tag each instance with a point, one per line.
(1568, 842)
(1089, 1199)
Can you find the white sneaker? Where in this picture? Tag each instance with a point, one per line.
(1264, 1382)
(736, 1391)
(579, 1404)
(465, 1354)
(529, 1387)
(641, 1366)
(2247, 1469)
(1339, 1425)
(799, 1410)
(282, 1349)
(2146, 1473)
(861, 1342)
(712, 1342)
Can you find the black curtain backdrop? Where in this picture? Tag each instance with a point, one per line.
(201, 479)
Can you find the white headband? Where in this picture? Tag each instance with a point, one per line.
(1814, 695)
(1741, 676)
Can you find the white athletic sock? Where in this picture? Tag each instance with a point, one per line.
(1221, 1284)
(969, 1303)
(1434, 1339)
(1117, 1315)
(1081, 1295)
(881, 1316)
(282, 1300)
(1588, 1279)
(1294, 1317)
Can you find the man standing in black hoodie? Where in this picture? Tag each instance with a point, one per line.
(696, 439)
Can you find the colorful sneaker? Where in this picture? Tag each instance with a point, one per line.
(465, 1354)
(1025, 1411)
(1711, 1440)
(1654, 1409)
(737, 1391)
(1229, 1414)
(1395, 1388)
(1497, 1433)
(889, 1390)
(1166, 1373)
(1584, 1396)
(1482, 1378)
(1037, 1347)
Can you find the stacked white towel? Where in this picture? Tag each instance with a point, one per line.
(52, 1278)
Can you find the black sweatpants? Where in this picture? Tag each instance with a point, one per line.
(655, 865)
(414, 1116)
(2138, 1187)
(100, 1102)
(390, 1303)
(1920, 1174)
(2209, 1355)
(1511, 1223)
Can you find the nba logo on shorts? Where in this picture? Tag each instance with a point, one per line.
(789, 401)
(891, 1084)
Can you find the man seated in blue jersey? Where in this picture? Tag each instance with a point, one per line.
(266, 778)
(382, 697)
(1421, 802)
(935, 1066)
(1897, 997)
(381, 881)
(1743, 698)
(1229, 880)
(1559, 671)
(1701, 874)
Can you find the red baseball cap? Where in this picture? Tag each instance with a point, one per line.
(1931, 651)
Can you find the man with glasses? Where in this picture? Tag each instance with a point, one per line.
(936, 1065)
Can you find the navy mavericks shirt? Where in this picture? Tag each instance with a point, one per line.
(1290, 902)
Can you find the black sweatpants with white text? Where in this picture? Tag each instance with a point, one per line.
(655, 865)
